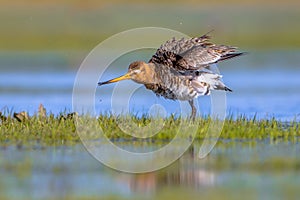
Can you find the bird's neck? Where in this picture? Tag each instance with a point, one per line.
(150, 75)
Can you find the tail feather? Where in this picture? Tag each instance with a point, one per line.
(228, 89)
(209, 81)
(231, 55)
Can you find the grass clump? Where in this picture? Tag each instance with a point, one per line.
(48, 129)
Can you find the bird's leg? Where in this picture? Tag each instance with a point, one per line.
(194, 110)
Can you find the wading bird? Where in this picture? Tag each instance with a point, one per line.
(180, 69)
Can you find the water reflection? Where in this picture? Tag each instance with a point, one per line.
(59, 172)
(183, 173)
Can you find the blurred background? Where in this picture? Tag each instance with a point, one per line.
(42, 45)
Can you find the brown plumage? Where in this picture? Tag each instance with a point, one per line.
(180, 69)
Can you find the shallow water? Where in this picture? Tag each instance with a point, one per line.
(259, 169)
(265, 84)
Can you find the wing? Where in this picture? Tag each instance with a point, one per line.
(201, 57)
(192, 54)
(173, 50)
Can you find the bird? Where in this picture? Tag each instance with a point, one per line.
(181, 69)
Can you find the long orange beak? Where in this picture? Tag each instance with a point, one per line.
(121, 78)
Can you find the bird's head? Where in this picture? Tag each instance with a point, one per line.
(138, 71)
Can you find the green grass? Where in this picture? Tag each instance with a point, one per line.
(61, 129)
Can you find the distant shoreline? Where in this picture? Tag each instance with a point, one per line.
(38, 28)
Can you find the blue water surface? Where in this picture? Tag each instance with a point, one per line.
(264, 84)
